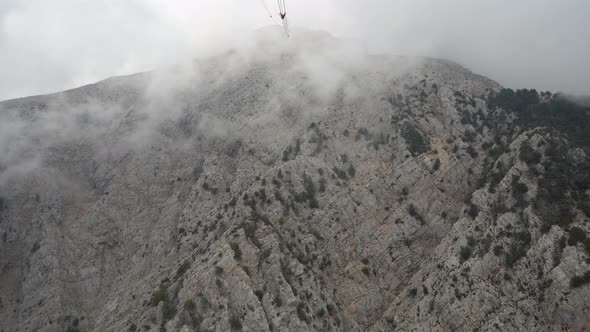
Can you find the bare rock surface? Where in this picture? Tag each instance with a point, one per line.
(296, 185)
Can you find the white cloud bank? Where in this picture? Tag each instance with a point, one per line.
(48, 46)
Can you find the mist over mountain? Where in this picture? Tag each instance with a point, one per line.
(297, 184)
(52, 46)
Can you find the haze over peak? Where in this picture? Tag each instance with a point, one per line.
(47, 47)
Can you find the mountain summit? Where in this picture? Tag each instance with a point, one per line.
(295, 185)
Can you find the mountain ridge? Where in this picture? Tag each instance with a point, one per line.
(292, 189)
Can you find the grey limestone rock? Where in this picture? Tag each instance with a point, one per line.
(287, 186)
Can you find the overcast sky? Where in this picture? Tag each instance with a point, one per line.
(51, 45)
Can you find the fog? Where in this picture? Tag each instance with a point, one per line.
(48, 46)
(246, 93)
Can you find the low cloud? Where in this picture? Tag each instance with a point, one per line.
(259, 88)
(48, 46)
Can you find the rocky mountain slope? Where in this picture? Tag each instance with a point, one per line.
(297, 185)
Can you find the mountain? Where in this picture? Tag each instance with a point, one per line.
(295, 185)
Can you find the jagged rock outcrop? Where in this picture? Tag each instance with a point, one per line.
(292, 186)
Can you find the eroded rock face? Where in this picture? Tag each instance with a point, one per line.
(286, 187)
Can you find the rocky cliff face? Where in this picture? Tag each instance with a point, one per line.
(294, 186)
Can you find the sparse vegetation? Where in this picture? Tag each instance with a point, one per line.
(469, 136)
(189, 305)
(472, 152)
(528, 155)
(417, 144)
(362, 132)
(278, 300)
(237, 251)
(159, 296)
(235, 323)
(366, 271)
(378, 140)
(259, 294)
(318, 139)
(473, 211)
(340, 173)
(185, 266)
(467, 250)
(35, 247)
(465, 253)
(207, 187)
(331, 309)
(323, 184)
(518, 248)
(309, 193)
(579, 281)
(436, 165)
(558, 113)
(517, 101)
(413, 211)
(301, 314)
(498, 251)
(291, 153)
(265, 254)
(576, 235)
(519, 189)
(321, 312)
(168, 307)
(250, 231)
(351, 171)
(563, 183)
